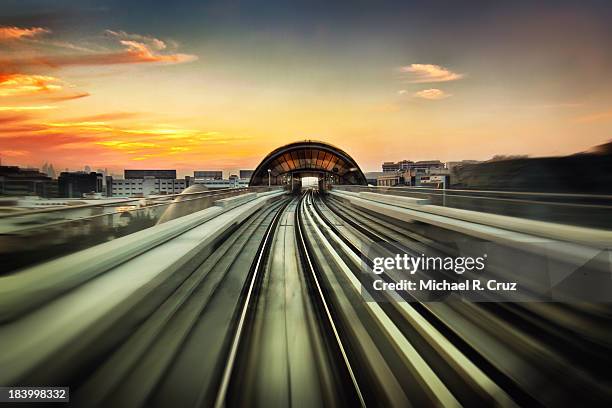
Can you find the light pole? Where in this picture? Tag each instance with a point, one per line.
(269, 173)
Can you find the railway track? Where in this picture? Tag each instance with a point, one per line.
(286, 349)
(532, 336)
(276, 314)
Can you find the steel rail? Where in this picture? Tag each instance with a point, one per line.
(257, 265)
(502, 379)
(305, 252)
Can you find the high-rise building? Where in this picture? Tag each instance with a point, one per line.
(15, 181)
(208, 174)
(140, 174)
(75, 184)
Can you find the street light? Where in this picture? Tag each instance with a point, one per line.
(269, 173)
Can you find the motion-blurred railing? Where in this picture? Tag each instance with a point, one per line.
(588, 210)
(31, 236)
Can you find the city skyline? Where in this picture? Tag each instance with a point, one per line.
(209, 85)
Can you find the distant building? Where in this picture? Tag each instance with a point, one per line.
(108, 185)
(141, 174)
(390, 179)
(15, 181)
(372, 176)
(408, 165)
(246, 174)
(104, 172)
(48, 169)
(454, 164)
(75, 184)
(432, 181)
(405, 164)
(430, 164)
(213, 184)
(208, 174)
(426, 174)
(144, 187)
(390, 167)
(420, 176)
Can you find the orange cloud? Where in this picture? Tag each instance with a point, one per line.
(68, 142)
(23, 84)
(422, 73)
(103, 117)
(122, 145)
(137, 49)
(25, 108)
(104, 135)
(153, 42)
(68, 97)
(140, 52)
(12, 117)
(14, 153)
(135, 54)
(432, 94)
(16, 33)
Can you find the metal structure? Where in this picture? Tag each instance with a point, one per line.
(307, 158)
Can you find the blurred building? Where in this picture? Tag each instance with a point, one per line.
(75, 184)
(454, 164)
(406, 165)
(146, 186)
(246, 174)
(141, 174)
(390, 167)
(49, 170)
(428, 174)
(222, 183)
(390, 179)
(372, 176)
(208, 174)
(15, 181)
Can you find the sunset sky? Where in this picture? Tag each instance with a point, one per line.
(218, 84)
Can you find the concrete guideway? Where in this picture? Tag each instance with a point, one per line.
(589, 236)
(571, 244)
(126, 267)
(259, 300)
(514, 338)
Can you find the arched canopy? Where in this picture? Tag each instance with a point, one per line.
(307, 158)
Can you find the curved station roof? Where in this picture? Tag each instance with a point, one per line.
(307, 158)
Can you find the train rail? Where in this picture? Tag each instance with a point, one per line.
(265, 304)
(525, 330)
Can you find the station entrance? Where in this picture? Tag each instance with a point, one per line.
(300, 164)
